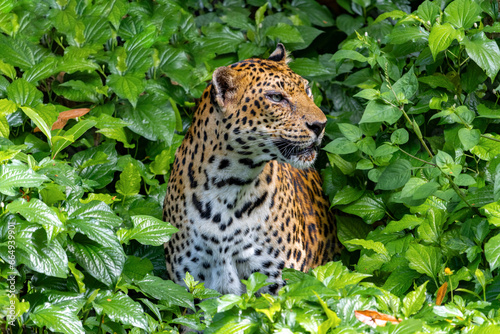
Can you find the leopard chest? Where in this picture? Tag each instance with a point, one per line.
(233, 231)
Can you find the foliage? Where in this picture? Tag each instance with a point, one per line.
(95, 96)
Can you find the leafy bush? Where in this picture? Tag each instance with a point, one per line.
(95, 96)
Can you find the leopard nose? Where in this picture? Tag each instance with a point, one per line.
(316, 127)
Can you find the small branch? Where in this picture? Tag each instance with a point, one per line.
(416, 158)
(490, 138)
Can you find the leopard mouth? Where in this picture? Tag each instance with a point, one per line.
(290, 150)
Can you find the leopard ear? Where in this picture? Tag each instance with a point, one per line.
(224, 81)
(279, 54)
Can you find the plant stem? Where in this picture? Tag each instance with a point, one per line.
(416, 158)
(490, 138)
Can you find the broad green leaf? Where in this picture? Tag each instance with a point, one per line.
(446, 163)
(424, 259)
(152, 120)
(349, 227)
(7, 107)
(285, 32)
(95, 231)
(8, 70)
(130, 181)
(24, 93)
(484, 52)
(428, 11)
(56, 319)
(341, 146)
(143, 40)
(43, 70)
(400, 137)
(469, 137)
(441, 37)
(407, 222)
(127, 86)
(395, 175)
(377, 111)
(348, 54)
(404, 34)
(492, 252)
(4, 127)
(349, 24)
(369, 94)
(318, 15)
(487, 149)
(335, 276)
(333, 320)
(369, 207)
(310, 68)
(75, 132)
(34, 115)
(161, 164)
(254, 283)
(36, 211)
(136, 268)
(465, 180)
(167, 291)
(431, 228)
(16, 176)
(492, 212)
(395, 14)
(462, 13)
(351, 132)
(96, 210)
(16, 51)
(148, 231)
(438, 80)
(104, 263)
(400, 280)
(407, 84)
(120, 308)
(259, 14)
(36, 252)
(413, 302)
(376, 246)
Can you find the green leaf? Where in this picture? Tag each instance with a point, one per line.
(348, 54)
(424, 259)
(120, 308)
(395, 175)
(318, 14)
(36, 211)
(492, 252)
(487, 149)
(350, 227)
(404, 34)
(130, 181)
(95, 231)
(152, 120)
(284, 32)
(148, 231)
(95, 210)
(428, 11)
(36, 252)
(35, 116)
(24, 93)
(167, 291)
(413, 302)
(104, 263)
(369, 207)
(16, 176)
(351, 132)
(56, 319)
(400, 137)
(400, 280)
(484, 52)
(445, 162)
(369, 94)
(341, 146)
(407, 222)
(259, 14)
(469, 137)
(255, 282)
(377, 111)
(492, 212)
(75, 132)
(431, 228)
(43, 70)
(17, 52)
(335, 276)
(127, 86)
(441, 37)
(136, 268)
(4, 127)
(462, 13)
(376, 246)
(465, 180)
(8, 70)
(438, 80)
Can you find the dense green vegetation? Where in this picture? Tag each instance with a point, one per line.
(411, 162)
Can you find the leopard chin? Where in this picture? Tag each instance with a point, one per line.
(297, 155)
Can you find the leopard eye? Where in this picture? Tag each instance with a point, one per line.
(275, 97)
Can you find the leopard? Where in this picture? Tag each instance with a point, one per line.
(242, 191)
